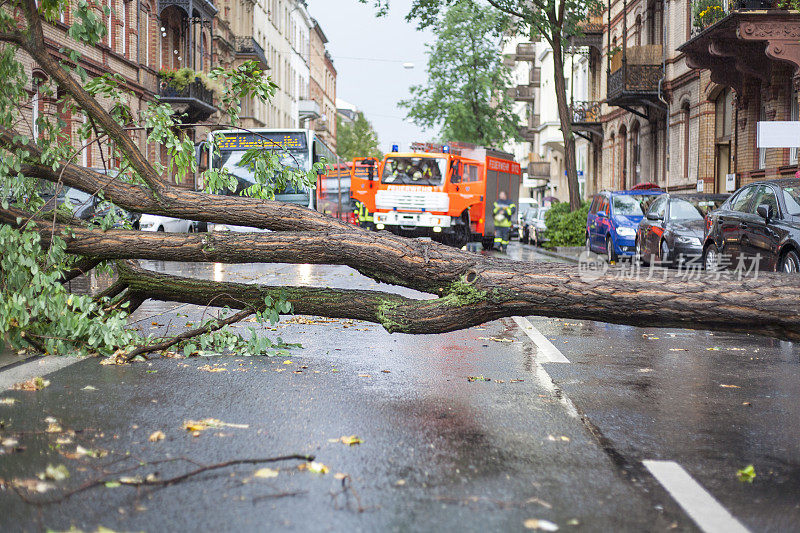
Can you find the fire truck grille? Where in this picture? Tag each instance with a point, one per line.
(429, 201)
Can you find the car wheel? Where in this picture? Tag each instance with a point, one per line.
(488, 243)
(526, 238)
(588, 244)
(666, 258)
(711, 259)
(191, 228)
(160, 228)
(640, 251)
(611, 255)
(790, 262)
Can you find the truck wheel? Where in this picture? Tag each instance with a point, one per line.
(461, 233)
(488, 242)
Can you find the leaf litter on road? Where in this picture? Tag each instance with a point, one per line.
(539, 524)
(746, 474)
(33, 384)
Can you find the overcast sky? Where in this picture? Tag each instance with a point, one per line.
(368, 54)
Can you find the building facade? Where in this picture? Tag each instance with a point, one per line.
(322, 87)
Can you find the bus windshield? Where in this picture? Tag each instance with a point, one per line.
(232, 162)
(414, 170)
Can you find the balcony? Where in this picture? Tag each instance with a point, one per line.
(539, 170)
(634, 77)
(522, 93)
(586, 118)
(535, 78)
(526, 52)
(592, 33)
(194, 101)
(248, 48)
(527, 134)
(743, 45)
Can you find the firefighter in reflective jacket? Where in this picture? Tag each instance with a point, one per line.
(363, 215)
(503, 215)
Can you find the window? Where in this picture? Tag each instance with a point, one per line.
(125, 27)
(37, 98)
(680, 209)
(794, 114)
(658, 207)
(471, 173)
(741, 200)
(686, 133)
(593, 207)
(791, 197)
(762, 152)
(765, 196)
(603, 206)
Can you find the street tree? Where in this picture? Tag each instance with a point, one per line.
(41, 247)
(466, 92)
(555, 21)
(357, 138)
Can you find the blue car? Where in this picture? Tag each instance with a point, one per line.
(613, 220)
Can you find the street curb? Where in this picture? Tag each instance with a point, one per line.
(557, 255)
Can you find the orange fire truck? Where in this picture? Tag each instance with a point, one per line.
(443, 192)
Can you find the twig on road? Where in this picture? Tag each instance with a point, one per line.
(241, 315)
(154, 482)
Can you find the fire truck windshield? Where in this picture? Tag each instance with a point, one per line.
(414, 170)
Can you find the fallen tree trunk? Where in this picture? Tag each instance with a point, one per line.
(472, 288)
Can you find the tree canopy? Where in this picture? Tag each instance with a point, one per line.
(357, 138)
(466, 92)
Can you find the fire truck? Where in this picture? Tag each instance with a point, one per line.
(445, 192)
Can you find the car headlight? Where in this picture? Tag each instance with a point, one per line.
(680, 239)
(625, 231)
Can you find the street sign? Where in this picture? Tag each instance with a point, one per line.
(778, 134)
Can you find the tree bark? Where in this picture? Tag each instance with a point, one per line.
(565, 118)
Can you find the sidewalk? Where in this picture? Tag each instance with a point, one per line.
(567, 253)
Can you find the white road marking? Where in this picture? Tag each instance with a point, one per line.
(709, 515)
(544, 348)
(546, 353)
(38, 367)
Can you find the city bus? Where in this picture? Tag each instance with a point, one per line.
(296, 148)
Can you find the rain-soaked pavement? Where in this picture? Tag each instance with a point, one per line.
(555, 431)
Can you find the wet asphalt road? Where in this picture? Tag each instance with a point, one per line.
(439, 452)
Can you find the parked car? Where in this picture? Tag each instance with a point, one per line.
(613, 220)
(529, 214)
(82, 205)
(162, 223)
(673, 228)
(534, 226)
(759, 226)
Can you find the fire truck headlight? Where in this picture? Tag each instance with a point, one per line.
(379, 226)
(437, 229)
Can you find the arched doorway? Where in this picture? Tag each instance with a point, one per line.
(636, 154)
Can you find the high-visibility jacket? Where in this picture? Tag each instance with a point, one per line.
(503, 213)
(362, 213)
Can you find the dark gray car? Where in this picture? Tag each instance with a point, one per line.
(673, 228)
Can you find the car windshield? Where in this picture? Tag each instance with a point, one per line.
(414, 170)
(791, 197)
(231, 160)
(629, 205)
(680, 209)
(531, 214)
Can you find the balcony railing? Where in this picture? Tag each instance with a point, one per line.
(522, 93)
(535, 78)
(194, 100)
(539, 169)
(527, 134)
(533, 121)
(526, 52)
(636, 78)
(247, 47)
(586, 112)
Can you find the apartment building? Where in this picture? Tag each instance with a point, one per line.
(322, 87)
(540, 147)
(282, 29)
(747, 63)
